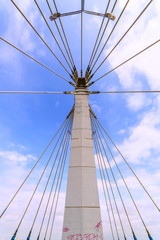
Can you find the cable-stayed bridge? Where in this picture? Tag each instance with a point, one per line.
(82, 159)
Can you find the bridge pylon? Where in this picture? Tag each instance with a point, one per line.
(82, 218)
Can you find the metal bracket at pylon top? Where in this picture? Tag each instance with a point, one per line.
(54, 16)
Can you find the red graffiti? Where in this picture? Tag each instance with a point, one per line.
(98, 226)
(65, 229)
(88, 236)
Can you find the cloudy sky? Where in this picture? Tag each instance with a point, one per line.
(28, 122)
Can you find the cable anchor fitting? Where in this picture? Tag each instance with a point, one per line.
(90, 109)
(29, 235)
(75, 75)
(13, 238)
(87, 75)
(54, 16)
(90, 84)
(110, 16)
(14, 235)
(134, 236)
(149, 235)
(72, 84)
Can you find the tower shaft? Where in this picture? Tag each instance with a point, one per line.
(82, 218)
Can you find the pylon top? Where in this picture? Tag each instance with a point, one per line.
(81, 83)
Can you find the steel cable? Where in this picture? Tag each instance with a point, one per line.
(141, 91)
(60, 35)
(60, 183)
(102, 35)
(32, 169)
(122, 12)
(37, 185)
(124, 180)
(65, 36)
(35, 60)
(52, 205)
(146, 7)
(128, 165)
(50, 194)
(57, 182)
(81, 59)
(100, 145)
(103, 186)
(126, 61)
(40, 37)
(104, 168)
(98, 35)
(106, 186)
(40, 10)
(118, 190)
(48, 180)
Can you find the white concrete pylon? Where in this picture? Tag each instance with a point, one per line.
(82, 218)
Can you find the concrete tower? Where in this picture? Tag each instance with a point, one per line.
(82, 218)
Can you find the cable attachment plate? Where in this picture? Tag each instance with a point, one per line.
(87, 75)
(54, 16)
(110, 16)
(75, 75)
(13, 237)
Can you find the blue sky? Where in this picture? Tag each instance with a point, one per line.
(27, 122)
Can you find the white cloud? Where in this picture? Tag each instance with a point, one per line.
(122, 131)
(144, 137)
(143, 71)
(151, 182)
(19, 33)
(16, 30)
(14, 168)
(137, 101)
(13, 157)
(97, 108)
